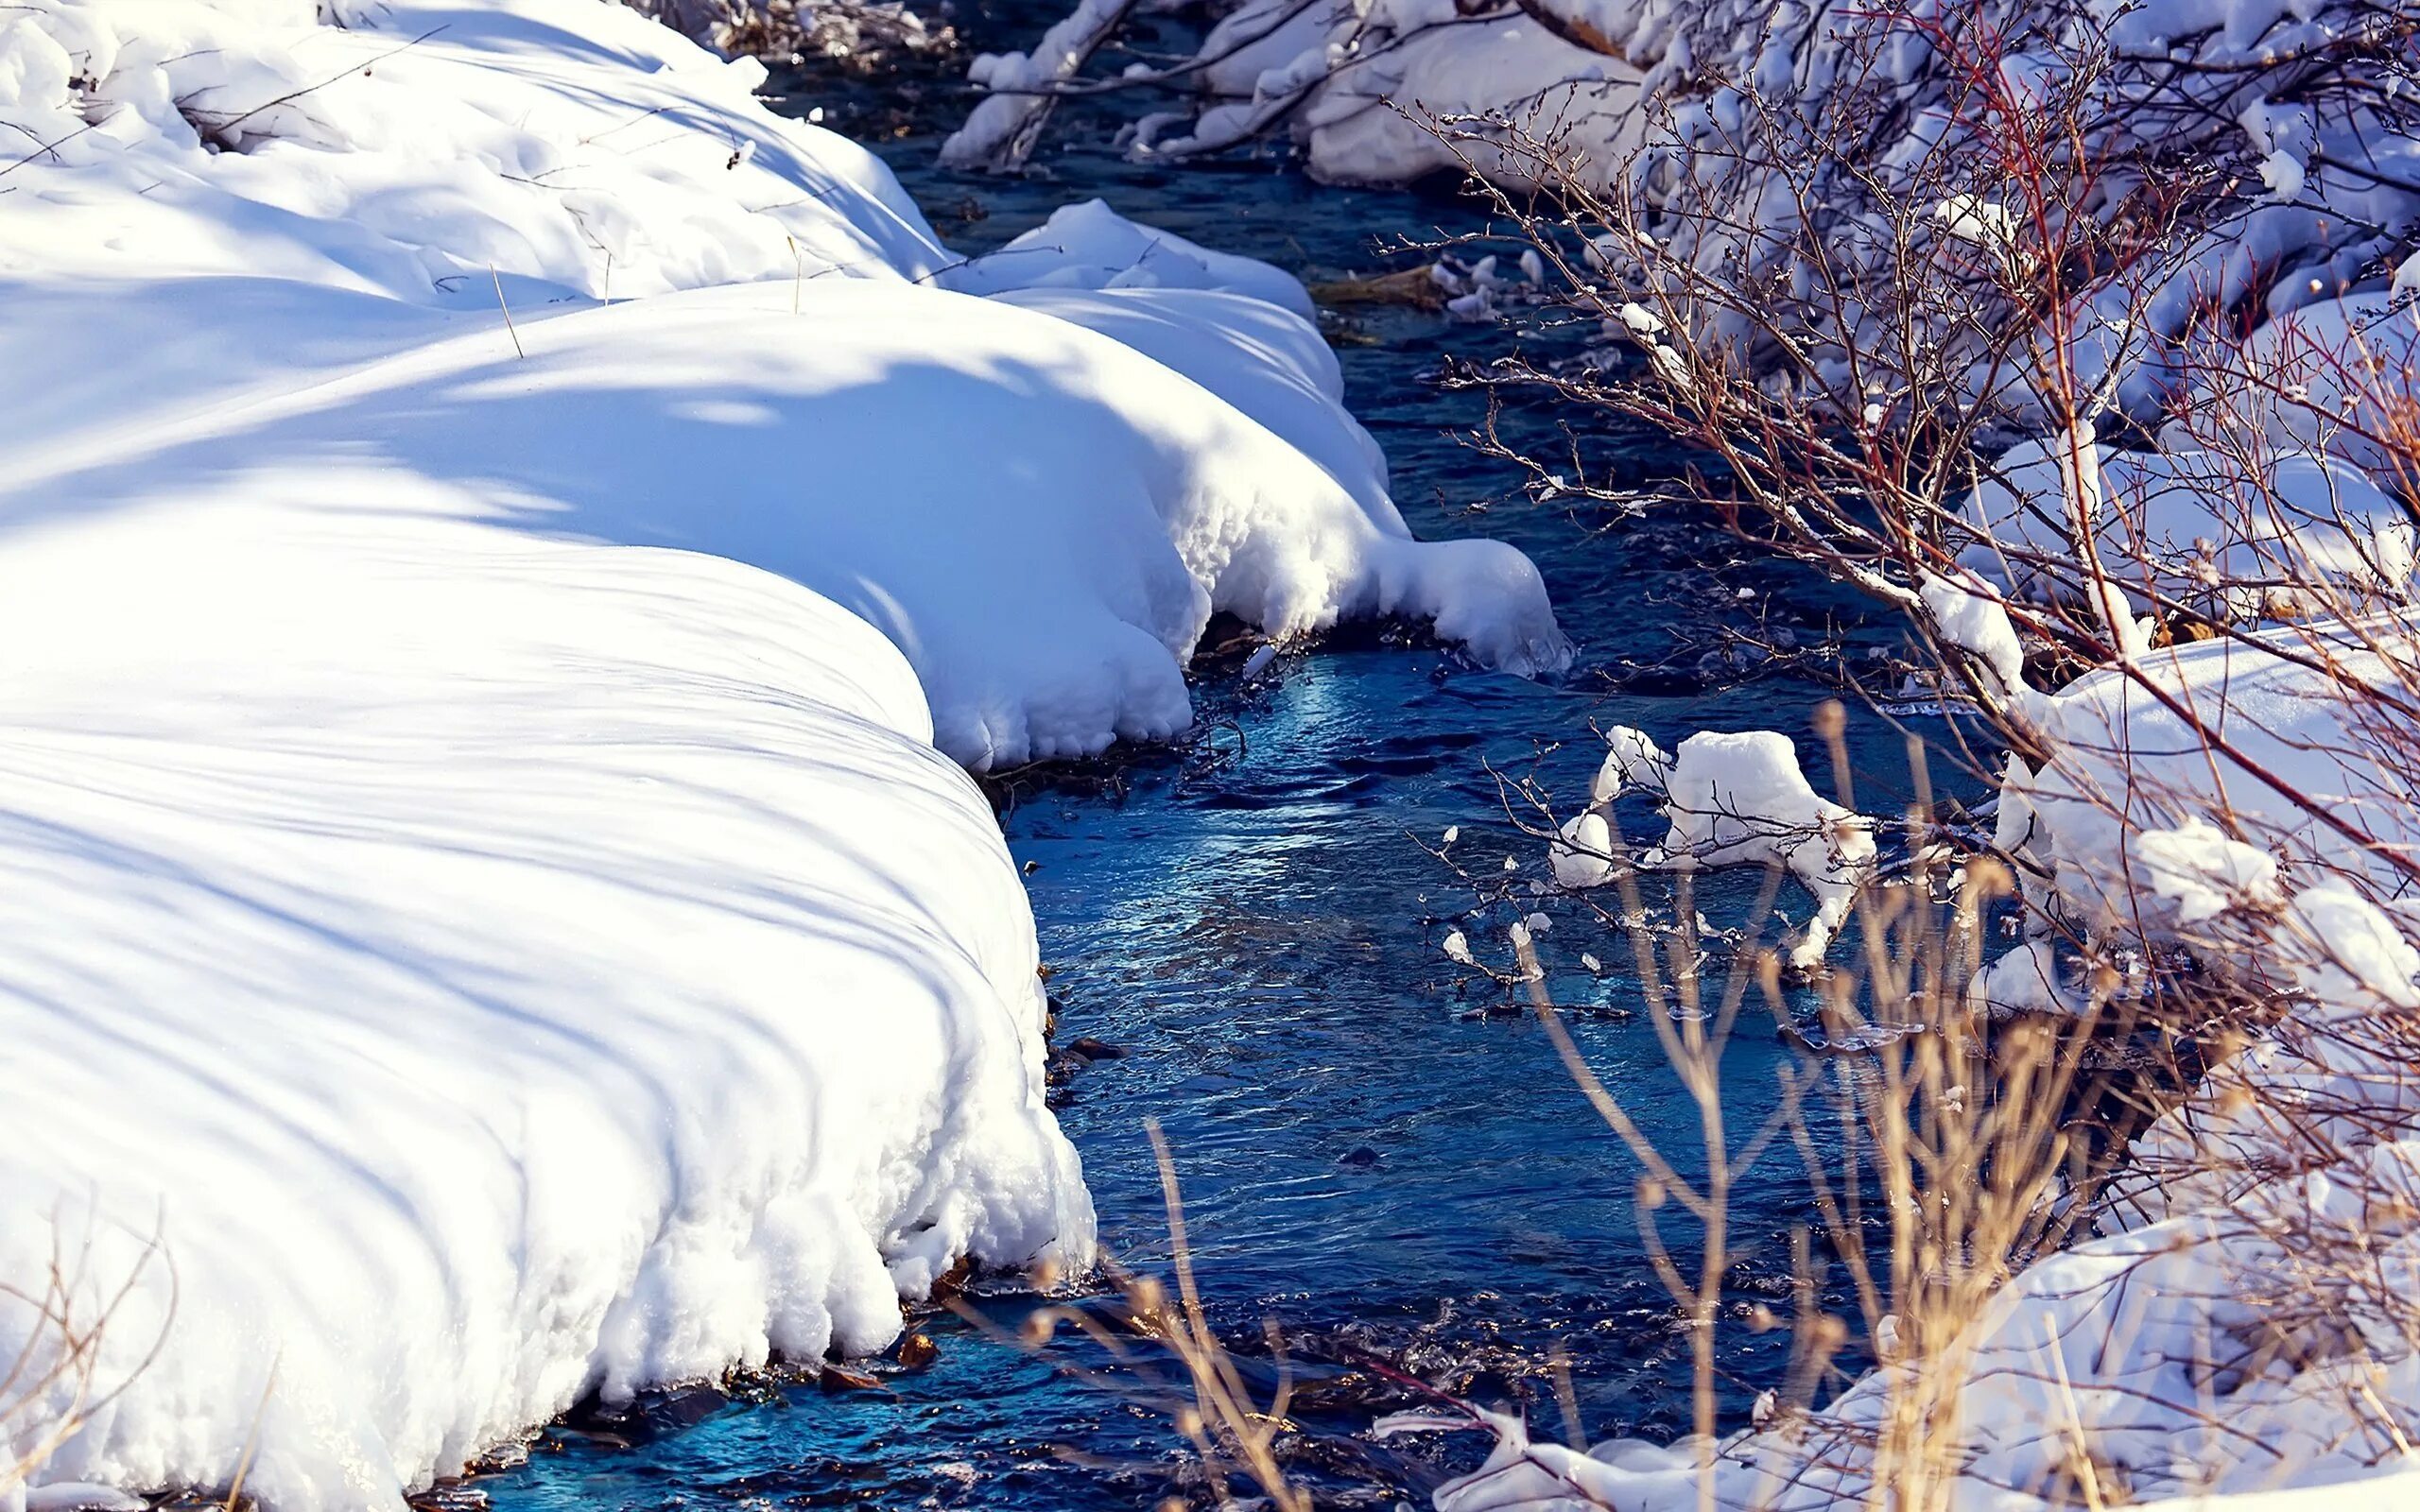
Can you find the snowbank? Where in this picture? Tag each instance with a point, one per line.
(1040, 517)
(2233, 538)
(491, 969)
(520, 163)
(494, 524)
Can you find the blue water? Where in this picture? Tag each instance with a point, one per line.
(1369, 1155)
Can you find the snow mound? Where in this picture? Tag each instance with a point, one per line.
(511, 165)
(1089, 246)
(490, 970)
(1047, 570)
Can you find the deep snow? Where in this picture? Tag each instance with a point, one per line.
(490, 970)
(481, 163)
(494, 524)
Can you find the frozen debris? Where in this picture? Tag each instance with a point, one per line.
(2199, 873)
(1259, 661)
(1584, 856)
(1522, 1474)
(1640, 320)
(1631, 761)
(1886, 1337)
(1970, 616)
(1005, 127)
(1973, 218)
(1475, 308)
(1458, 948)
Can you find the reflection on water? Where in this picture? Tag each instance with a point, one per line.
(1364, 1157)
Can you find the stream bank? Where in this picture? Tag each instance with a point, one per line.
(1369, 1155)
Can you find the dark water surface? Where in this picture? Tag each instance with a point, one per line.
(1367, 1155)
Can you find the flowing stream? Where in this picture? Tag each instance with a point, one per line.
(1369, 1155)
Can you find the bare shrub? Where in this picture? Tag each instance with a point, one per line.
(2196, 673)
(58, 1377)
(856, 34)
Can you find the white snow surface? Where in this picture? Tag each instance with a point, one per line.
(539, 155)
(1729, 799)
(494, 527)
(490, 968)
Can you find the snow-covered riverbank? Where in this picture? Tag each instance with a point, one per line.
(495, 524)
